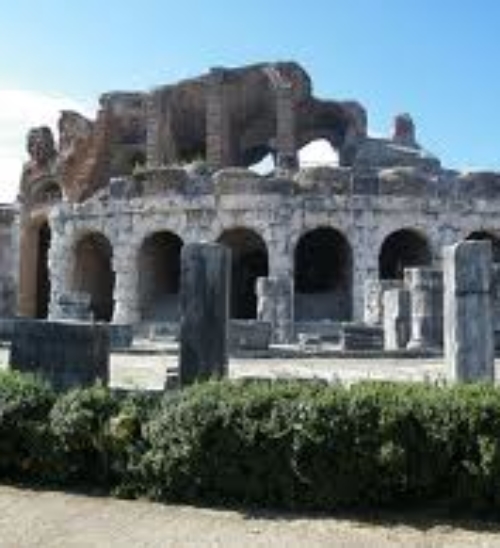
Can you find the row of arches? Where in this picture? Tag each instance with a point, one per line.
(323, 271)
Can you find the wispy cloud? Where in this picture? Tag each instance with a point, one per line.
(20, 110)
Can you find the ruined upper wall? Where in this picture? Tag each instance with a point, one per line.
(227, 117)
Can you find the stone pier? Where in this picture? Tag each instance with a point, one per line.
(397, 319)
(204, 300)
(426, 289)
(468, 318)
(275, 305)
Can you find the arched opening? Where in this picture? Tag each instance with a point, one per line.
(323, 276)
(318, 152)
(402, 249)
(249, 262)
(489, 236)
(42, 271)
(159, 276)
(94, 275)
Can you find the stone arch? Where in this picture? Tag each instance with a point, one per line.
(93, 273)
(323, 275)
(158, 266)
(249, 261)
(490, 236)
(402, 249)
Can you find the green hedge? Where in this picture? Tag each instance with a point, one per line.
(282, 444)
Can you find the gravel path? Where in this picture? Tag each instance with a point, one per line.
(57, 520)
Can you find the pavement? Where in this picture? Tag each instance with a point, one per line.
(47, 519)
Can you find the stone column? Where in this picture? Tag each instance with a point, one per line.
(286, 146)
(374, 290)
(126, 305)
(204, 300)
(426, 289)
(396, 319)
(275, 305)
(61, 267)
(125, 294)
(469, 350)
(218, 135)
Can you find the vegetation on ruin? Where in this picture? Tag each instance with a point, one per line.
(281, 444)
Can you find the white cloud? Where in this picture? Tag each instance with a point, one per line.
(19, 111)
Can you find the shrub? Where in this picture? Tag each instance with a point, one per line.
(282, 444)
(25, 442)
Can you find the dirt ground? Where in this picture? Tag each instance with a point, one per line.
(56, 520)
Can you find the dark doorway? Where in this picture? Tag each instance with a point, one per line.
(159, 273)
(249, 262)
(93, 274)
(323, 276)
(403, 249)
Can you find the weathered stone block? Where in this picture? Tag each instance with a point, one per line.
(66, 354)
(249, 335)
(358, 336)
(275, 305)
(468, 319)
(205, 282)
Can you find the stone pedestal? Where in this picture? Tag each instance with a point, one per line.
(275, 305)
(359, 336)
(397, 314)
(373, 310)
(66, 354)
(468, 319)
(426, 290)
(204, 300)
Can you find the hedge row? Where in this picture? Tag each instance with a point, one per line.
(281, 444)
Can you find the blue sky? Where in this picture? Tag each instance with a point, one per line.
(438, 60)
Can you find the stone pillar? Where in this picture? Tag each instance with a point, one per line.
(204, 299)
(218, 134)
(396, 319)
(469, 350)
(286, 146)
(275, 305)
(126, 299)
(373, 309)
(426, 289)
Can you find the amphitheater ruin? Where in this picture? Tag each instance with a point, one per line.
(105, 209)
